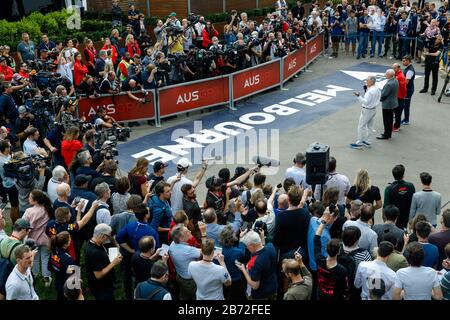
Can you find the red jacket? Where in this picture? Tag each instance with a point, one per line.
(7, 72)
(89, 55)
(114, 55)
(207, 39)
(69, 149)
(401, 84)
(79, 72)
(133, 49)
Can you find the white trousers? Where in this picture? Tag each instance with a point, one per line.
(365, 125)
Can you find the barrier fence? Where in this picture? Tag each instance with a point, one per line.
(206, 93)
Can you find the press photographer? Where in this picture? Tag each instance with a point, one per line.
(25, 169)
(8, 183)
(30, 146)
(163, 69)
(25, 122)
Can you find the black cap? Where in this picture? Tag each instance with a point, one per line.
(82, 179)
(213, 181)
(159, 165)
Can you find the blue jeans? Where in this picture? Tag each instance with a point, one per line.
(404, 46)
(377, 36)
(407, 104)
(363, 40)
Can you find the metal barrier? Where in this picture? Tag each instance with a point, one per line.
(205, 93)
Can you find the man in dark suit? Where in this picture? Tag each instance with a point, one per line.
(389, 103)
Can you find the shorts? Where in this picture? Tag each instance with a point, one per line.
(351, 38)
(335, 39)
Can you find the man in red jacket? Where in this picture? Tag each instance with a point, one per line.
(5, 70)
(401, 95)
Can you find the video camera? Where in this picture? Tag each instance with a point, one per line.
(193, 18)
(82, 125)
(107, 152)
(25, 169)
(113, 135)
(47, 80)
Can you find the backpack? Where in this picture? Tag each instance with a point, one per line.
(348, 261)
(6, 267)
(150, 296)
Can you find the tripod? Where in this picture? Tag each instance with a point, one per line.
(444, 87)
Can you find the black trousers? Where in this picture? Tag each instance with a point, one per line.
(398, 113)
(434, 69)
(388, 119)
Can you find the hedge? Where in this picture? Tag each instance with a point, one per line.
(94, 25)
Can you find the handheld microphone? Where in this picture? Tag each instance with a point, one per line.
(264, 161)
(213, 158)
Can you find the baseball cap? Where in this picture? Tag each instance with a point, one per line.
(82, 179)
(173, 14)
(21, 224)
(22, 109)
(159, 165)
(183, 163)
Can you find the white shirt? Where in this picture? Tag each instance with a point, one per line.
(338, 181)
(65, 70)
(20, 286)
(377, 269)
(51, 189)
(369, 238)
(298, 174)
(176, 199)
(103, 215)
(29, 147)
(209, 279)
(417, 283)
(371, 99)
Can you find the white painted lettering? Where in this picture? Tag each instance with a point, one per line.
(182, 144)
(222, 127)
(317, 98)
(280, 110)
(207, 136)
(153, 155)
(294, 100)
(248, 118)
(332, 90)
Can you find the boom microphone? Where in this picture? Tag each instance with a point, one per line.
(263, 161)
(213, 158)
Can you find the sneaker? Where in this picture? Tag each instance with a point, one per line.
(395, 129)
(391, 57)
(47, 281)
(358, 57)
(356, 146)
(423, 91)
(405, 123)
(433, 93)
(366, 144)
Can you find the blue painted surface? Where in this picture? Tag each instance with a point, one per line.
(307, 114)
